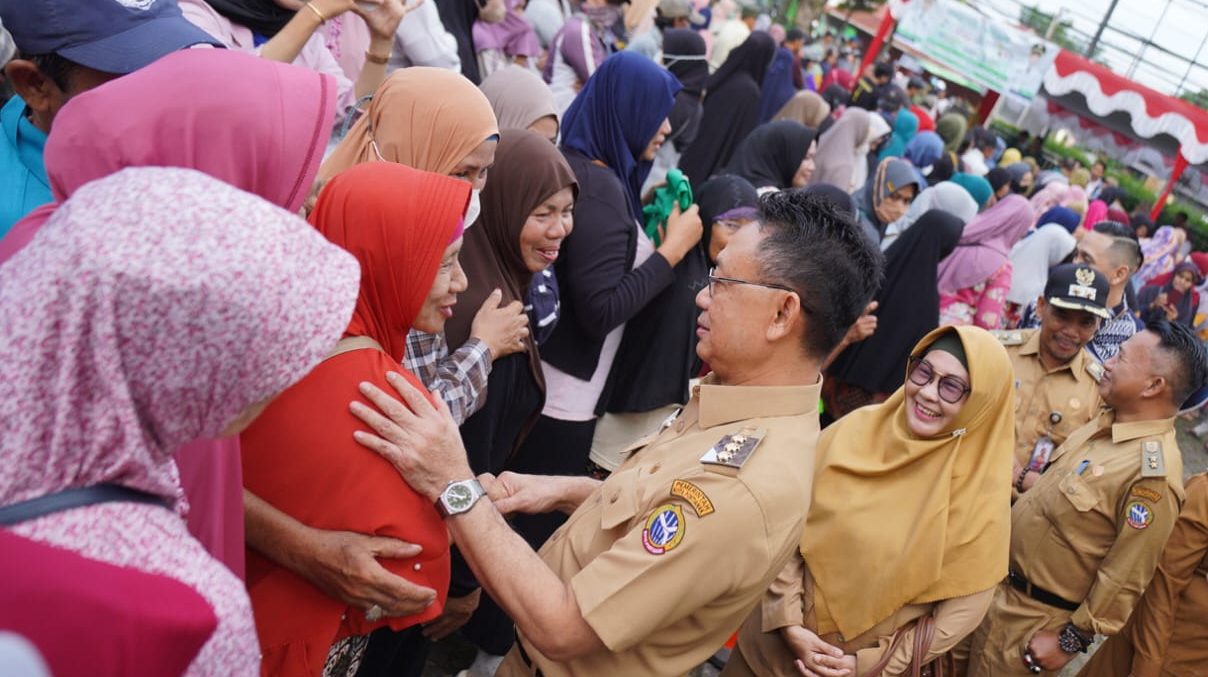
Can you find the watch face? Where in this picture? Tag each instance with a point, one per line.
(459, 497)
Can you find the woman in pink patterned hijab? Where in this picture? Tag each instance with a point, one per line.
(141, 317)
(256, 124)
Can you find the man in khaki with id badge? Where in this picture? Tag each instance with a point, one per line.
(661, 562)
(1085, 539)
(1056, 381)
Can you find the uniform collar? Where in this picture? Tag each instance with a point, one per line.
(1076, 365)
(1123, 432)
(720, 404)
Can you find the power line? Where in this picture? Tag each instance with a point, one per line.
(1126, 55)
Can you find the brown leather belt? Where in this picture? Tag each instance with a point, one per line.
(1038, 593)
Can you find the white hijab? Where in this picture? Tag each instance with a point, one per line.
(1031, 259)
(946, 196)
(877, 127)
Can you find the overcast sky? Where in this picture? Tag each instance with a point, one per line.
(1181, 30)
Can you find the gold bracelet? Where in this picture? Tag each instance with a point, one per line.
(375, 58)
(311, 7)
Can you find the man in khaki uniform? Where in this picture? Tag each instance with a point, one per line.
(661, 562)
(1086, 537)
(1168, 632)
(1056, 381)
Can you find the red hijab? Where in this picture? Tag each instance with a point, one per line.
(397, 221)
(300, 455)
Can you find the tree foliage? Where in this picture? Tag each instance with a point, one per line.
(1063, 33)
(1199, 98)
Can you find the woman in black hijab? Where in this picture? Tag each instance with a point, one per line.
(458, 17)
(776, 156)
(838, 198)
(727, 203)
(731, 108)
(908, 307)
(1000, 182)
(684, 56)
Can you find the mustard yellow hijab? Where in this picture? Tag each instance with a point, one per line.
(899, 520)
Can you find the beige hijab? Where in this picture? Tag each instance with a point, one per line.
(899, 520)
(805, 107)
(425, 118)
(519, 97)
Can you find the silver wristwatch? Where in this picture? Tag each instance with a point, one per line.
(459, 497)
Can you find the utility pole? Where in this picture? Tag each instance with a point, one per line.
(1090, 50)
(1053, 24)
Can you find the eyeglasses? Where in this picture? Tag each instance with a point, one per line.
(950, 389)
(714, 279)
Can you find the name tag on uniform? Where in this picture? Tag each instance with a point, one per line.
(1041, 453)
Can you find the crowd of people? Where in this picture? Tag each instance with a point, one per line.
(595, 333)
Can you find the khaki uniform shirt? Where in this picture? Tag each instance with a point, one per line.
(671, 552)
(1168, 632)
(790, 601)
(1053, 403)
(1093, 526)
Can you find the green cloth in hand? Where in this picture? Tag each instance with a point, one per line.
(676, 191)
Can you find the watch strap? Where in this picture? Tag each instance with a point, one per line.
(476, 491)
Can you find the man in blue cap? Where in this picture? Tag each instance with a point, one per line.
(66, 47)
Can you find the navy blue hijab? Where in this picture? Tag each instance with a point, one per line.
(617, 113)
(777, 86)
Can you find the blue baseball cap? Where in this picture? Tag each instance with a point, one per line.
(113, 36)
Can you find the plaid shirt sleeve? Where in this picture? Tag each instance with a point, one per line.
(459, 379)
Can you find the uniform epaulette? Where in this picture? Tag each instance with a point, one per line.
(1009, 337)
(734, 449)
(1153, 463)
(1094, 368)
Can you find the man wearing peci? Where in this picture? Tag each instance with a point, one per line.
(1056, 381)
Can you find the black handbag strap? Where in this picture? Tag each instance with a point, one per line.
(77, 497)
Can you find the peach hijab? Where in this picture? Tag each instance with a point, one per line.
(410, 123)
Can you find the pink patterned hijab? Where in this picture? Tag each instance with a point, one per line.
(985, 244)
(145, 316)
(256, 124)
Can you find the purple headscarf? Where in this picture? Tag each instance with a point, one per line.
(985, 244)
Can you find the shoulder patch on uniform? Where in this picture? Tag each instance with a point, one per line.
(1153, 463)
(694, 495)
(1146, 493)
(1139, 515)
(1008, 338)
(734, 449)
(664, 529)
(1094, 369)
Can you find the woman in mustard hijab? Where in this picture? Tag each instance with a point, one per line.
(907, 534)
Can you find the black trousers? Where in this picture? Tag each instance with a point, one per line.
(395, 654)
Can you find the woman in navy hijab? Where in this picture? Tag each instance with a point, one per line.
(608, 269)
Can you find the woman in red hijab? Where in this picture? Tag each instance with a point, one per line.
(404, 227)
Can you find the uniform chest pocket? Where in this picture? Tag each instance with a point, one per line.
(620, 499)
(1078, 493)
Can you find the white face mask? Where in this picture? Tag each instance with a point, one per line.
(474, 209)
